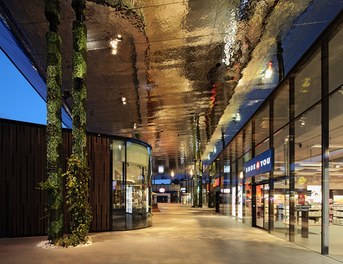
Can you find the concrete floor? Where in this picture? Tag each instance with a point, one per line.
(179, 234)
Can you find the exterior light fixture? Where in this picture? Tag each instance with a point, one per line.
(162, 190)
(123, 99)
(191, 172)
(172, 174)
(134, 126)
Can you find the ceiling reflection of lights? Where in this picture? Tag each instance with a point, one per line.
(114, 44)
(311, 164)
(330, 146)
(230, 37)
(236, 117)
(269, 71)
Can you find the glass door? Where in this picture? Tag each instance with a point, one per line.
(266, 206)
(259, 205)
(262, 206)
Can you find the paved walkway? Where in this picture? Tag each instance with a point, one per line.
(179, 235)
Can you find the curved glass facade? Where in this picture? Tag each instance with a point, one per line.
(130, 182)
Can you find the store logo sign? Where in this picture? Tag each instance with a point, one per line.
(260, 164)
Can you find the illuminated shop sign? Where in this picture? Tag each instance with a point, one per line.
(260, 164)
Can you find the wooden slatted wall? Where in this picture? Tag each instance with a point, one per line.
(22, 167)
(99, 191)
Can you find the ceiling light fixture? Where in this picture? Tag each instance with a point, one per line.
(123, 99)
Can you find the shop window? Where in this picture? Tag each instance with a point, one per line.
(247, 144)
(261, 120)
(308, 85)
(239, 140)
(262, 147)
(118, 184)
(281, 183)
(281, 152)
(335, 175)
(335, 61)
(308, 178)
(281, 114)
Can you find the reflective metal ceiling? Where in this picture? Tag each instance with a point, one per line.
(180, 65)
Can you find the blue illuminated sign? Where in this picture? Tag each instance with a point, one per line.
(260, 164)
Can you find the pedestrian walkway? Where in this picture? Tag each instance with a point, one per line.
(179, 235)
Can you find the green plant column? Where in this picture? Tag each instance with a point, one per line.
(77, 175)
(54, 182)
(79, 92)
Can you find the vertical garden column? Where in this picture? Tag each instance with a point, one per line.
(77, 175)
(54, 183)
(79, 92)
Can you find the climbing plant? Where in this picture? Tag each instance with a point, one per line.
(77, 175)
(54, 183)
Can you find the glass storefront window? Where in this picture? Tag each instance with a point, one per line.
(281, 113)
(233, 187)
(335, 61)
(262, 147)
(118, 185)
(307, 85)
(239, 142)
(247, 195)
(261, 124)
(226, 184)
(240, 189)
(281, 183)
(308, 185)
(131, 202)
(247, 144)
(336, 175)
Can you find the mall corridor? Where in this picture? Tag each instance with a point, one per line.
(180, 234)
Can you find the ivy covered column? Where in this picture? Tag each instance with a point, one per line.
(54, 183)
(77, 175)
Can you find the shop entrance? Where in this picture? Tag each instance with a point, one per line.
(262, 205)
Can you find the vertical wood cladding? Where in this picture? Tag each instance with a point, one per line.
(22, 167)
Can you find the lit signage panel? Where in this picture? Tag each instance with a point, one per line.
(260, 164)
